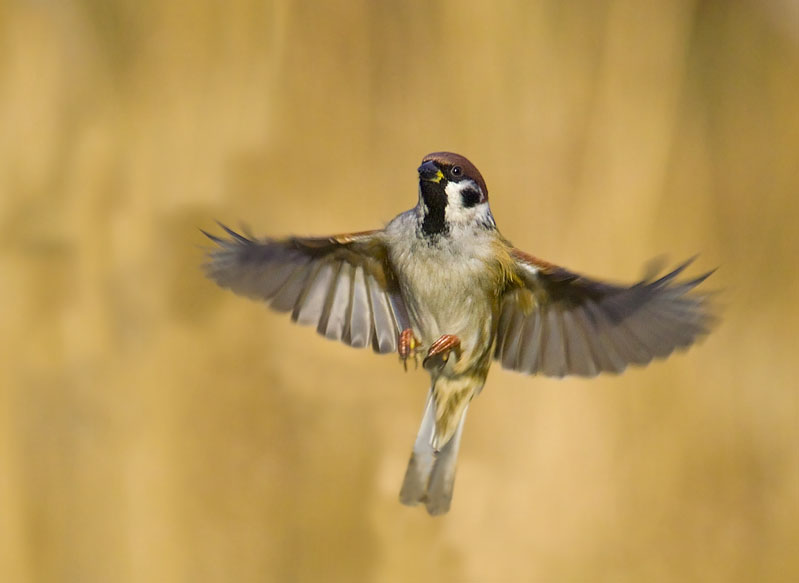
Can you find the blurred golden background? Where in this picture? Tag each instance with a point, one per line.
(156, 428)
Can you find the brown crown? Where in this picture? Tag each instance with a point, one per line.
(452, 159)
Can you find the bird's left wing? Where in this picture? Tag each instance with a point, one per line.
(341, 284)
(556, 322)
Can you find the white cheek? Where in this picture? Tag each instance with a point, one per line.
(454, 189)
(456, 212)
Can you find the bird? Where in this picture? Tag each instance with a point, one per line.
(440, 284)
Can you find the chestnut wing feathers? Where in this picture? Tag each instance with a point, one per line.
(342, 285)
(560, 323)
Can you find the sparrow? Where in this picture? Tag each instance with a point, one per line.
(441, 284)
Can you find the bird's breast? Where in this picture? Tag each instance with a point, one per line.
(448, 289)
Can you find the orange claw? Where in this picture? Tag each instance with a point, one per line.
(407, 346)
(442, 348)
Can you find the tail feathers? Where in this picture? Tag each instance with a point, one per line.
(423, 458)
(430, 477)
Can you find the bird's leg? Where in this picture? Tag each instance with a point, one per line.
(438, 354)
(407, 346)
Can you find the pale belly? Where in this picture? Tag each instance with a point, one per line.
(445, 301)
(447, 286)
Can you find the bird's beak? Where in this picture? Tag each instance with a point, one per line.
(429, 172)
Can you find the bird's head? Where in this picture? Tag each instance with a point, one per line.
(452, 193)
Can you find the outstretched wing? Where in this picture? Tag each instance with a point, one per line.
(342, 284)
(560, 323)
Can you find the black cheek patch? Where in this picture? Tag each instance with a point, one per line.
(470, 197)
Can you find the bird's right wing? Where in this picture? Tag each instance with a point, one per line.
(341, 284)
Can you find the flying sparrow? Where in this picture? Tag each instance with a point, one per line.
(441, 282)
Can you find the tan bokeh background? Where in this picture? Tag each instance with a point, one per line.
(156, 428)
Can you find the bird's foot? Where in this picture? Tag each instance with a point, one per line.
(440, 350)
(407, 347)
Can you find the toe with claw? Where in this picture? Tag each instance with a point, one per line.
(407, 347)
(440, 350)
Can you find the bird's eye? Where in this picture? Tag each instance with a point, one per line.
(456, 171)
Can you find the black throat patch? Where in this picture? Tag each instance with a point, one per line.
(435, 199)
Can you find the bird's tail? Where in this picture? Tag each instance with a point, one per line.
(430, 476)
